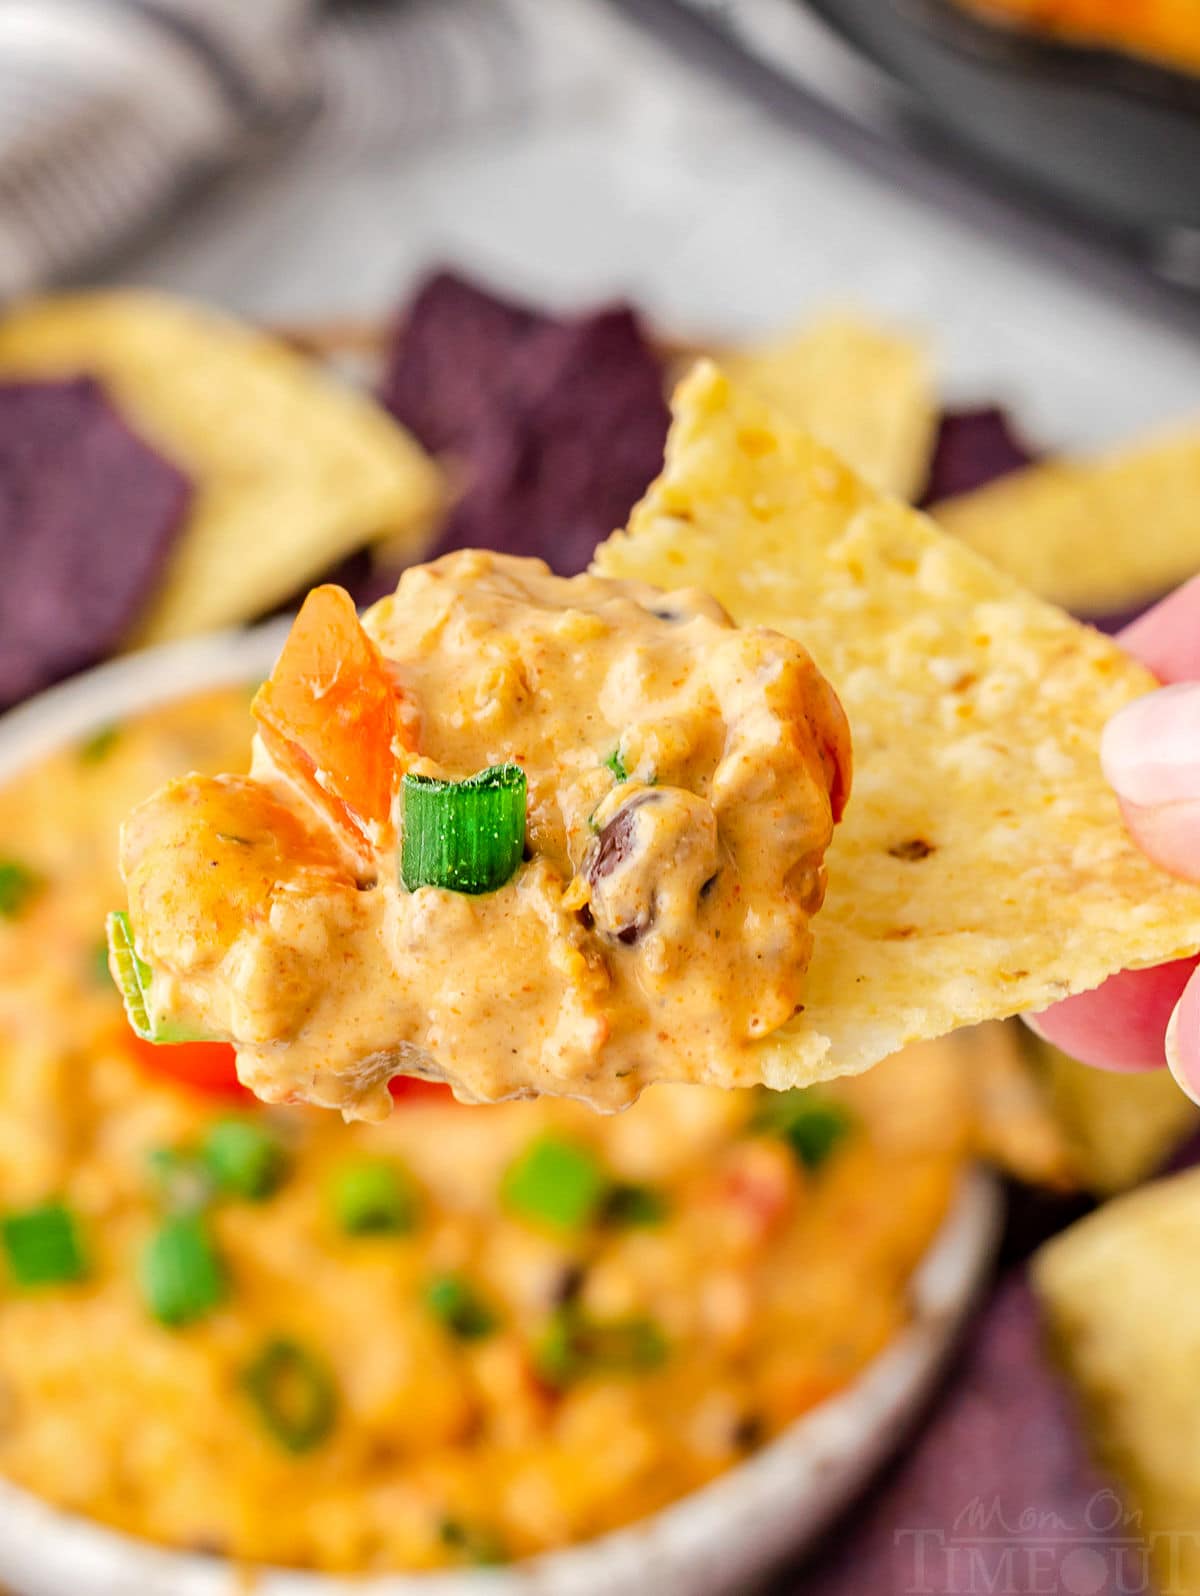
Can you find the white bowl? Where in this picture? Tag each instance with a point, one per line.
(714, 1542)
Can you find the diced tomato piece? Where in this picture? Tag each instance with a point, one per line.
(328, 712)
(208, 1067)
(411, 1088)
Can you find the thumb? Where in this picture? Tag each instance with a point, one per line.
(1151, 757)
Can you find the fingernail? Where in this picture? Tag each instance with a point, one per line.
(1183, 1042)
(1151, 749)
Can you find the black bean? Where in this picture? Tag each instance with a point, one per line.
(615, 843)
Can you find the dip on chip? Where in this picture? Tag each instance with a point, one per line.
(535, 835)
(613, 808)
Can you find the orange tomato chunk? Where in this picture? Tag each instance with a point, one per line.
(328, 712)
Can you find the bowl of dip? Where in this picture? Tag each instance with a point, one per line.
(415, 1368)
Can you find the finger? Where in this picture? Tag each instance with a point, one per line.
(1167, 638)
(1150, 752)
(1183, 1040)
(1122, 1025)
(1151, 757)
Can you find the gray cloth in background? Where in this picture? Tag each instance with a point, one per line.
(110, 108)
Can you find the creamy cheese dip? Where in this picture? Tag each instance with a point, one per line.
(727, 1259)
(684, 777)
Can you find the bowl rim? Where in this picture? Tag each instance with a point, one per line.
(785, 1492)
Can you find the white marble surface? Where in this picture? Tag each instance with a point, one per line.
(639, 175)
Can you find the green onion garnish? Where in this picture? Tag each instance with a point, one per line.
(373, 1199)
(294, 1392)
(555, 1182)
(574, 1345)
(245, 1159)
(42, 1246)
(617, 765)
(811, 1125)
(465, 836)
(179, 1180)
(134, 975)
(454, 1301)
(18, 885)
(181, 1274)
(627, 1205)
(134, 979)
(100, 744)
(475, 1543)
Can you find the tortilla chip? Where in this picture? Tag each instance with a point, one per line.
(865, 391)
(89, 514)
(552, 426)
(1093, 535)
(982, 867)
(1120, 1127)
(1119, 1290)
(973, 448)
(292, 470)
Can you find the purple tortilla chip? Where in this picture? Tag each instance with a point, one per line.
(88, 514)
(555, 428)
(998, 1492)
(973, 448)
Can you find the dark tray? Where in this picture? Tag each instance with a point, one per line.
(1114, 136)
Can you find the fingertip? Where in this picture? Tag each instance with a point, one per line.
(1122, 1024)
(1167, 638)
(1168, 834)
(1183, 1041)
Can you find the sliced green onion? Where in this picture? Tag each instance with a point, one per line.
(628, 1205)
(42, 1246)
(134, 979)
(811, 1125)
(555, 1182)
(465, 836)
(294, 1392)
(453, 1300)
(373, 1199)
(181, 1273)
(574, 1345)
(616, 764)
(18, 886)
(179, 1180)
(475, 1543)
(245, 1159)
(100, 744)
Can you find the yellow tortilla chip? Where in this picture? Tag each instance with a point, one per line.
(1120, 1127)
(1098, 536)
(1120, 1292)
(292, 470)
(982, 867)
(863, 390)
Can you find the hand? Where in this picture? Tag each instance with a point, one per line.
(1151, 755)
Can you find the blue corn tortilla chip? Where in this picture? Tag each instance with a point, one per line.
(973, 448)
(998, 1493)
(88, 516)
(552, 428)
